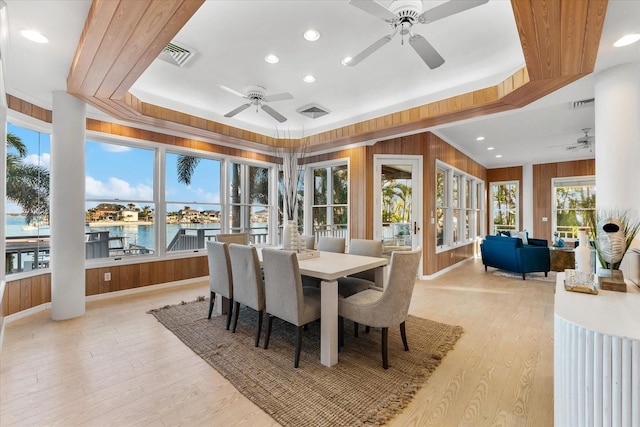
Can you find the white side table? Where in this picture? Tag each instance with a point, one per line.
(597, 357)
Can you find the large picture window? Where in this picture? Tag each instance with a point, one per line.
(249, 201)
(120, 206)
(193, 201)
(574, 199)
(27, 204)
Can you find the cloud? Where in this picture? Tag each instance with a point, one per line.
(116, 188)
(43, 160)
(112, 148)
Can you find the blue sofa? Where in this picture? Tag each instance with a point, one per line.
(508, 253)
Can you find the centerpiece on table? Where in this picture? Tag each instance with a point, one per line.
(291, 180)
(612, 232)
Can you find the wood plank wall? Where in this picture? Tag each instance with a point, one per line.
(513, 173)
(36, 290)
(542, 176)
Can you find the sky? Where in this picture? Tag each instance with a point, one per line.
(126, 173)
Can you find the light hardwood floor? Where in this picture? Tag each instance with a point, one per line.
(117, 365)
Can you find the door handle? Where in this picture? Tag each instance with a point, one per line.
(415, 227)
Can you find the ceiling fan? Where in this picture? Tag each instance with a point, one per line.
(257, 96)
(583, 142)
(402, 15)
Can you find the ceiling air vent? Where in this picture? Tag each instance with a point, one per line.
(583, 103)
(313, 111)
(176, 54)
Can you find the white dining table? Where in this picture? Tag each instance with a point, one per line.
(329, 267)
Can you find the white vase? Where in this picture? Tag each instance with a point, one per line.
(583, 253)
(290, 238)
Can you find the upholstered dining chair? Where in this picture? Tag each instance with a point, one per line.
(383, 308)
(241, 238)
(358, 282)
(331, 244)
(248, 288)
(309, 241)
(286, 298)
(220, 280)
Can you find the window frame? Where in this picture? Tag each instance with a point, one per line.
(492, 225)
(464, 211)
(573, 181)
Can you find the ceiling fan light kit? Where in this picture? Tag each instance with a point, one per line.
(257, 96)
(402, 15)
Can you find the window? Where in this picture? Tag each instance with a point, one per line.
(249, 201)
(329, 200)
(573, 200)
(27, 204)
(193, 201)
(504, 206)
(459, 210)
(120, 206)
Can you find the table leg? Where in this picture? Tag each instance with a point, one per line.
(329, 323)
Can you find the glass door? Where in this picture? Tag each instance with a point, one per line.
(397, 202)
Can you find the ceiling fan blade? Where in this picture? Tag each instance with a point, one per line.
(368, 51)
(429, 55)
(278, 97)
(237, 110)
(449, 8)
(374, 9)
(233, 91)
(273, 113)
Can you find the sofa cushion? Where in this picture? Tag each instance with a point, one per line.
(522, 235)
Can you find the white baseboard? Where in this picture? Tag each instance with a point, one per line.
(445, 270)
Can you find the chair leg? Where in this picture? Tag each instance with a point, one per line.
(229, 312)
(259, 327)
(385, 362)
(211, 298)
(298, 346)
(340, 332)
(267, 334)
(403, 334)
(356, 327)
(236, 309)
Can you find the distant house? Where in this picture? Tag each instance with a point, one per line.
(189, 215)
(210, 216)
(130, 216)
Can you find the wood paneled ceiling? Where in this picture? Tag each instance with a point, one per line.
(121, 38)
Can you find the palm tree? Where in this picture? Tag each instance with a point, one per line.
(27, 185)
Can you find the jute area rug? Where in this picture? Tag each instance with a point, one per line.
(355, 392)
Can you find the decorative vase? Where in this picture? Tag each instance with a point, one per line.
(290, 237)
(583, 253)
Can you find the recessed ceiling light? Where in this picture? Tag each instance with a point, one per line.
(627, 40)
(491, 148)
(34, 36)
(498, 156)
(311, 35)
(345, 61)
(480, 138)
(271, 58)
(309, 78)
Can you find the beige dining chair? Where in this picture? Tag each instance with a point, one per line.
(331, 244)
(383, 308)
(248, 288)
(240, 238)
(309, 241)
(220, 280)
(285, 296)
(358, 282)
